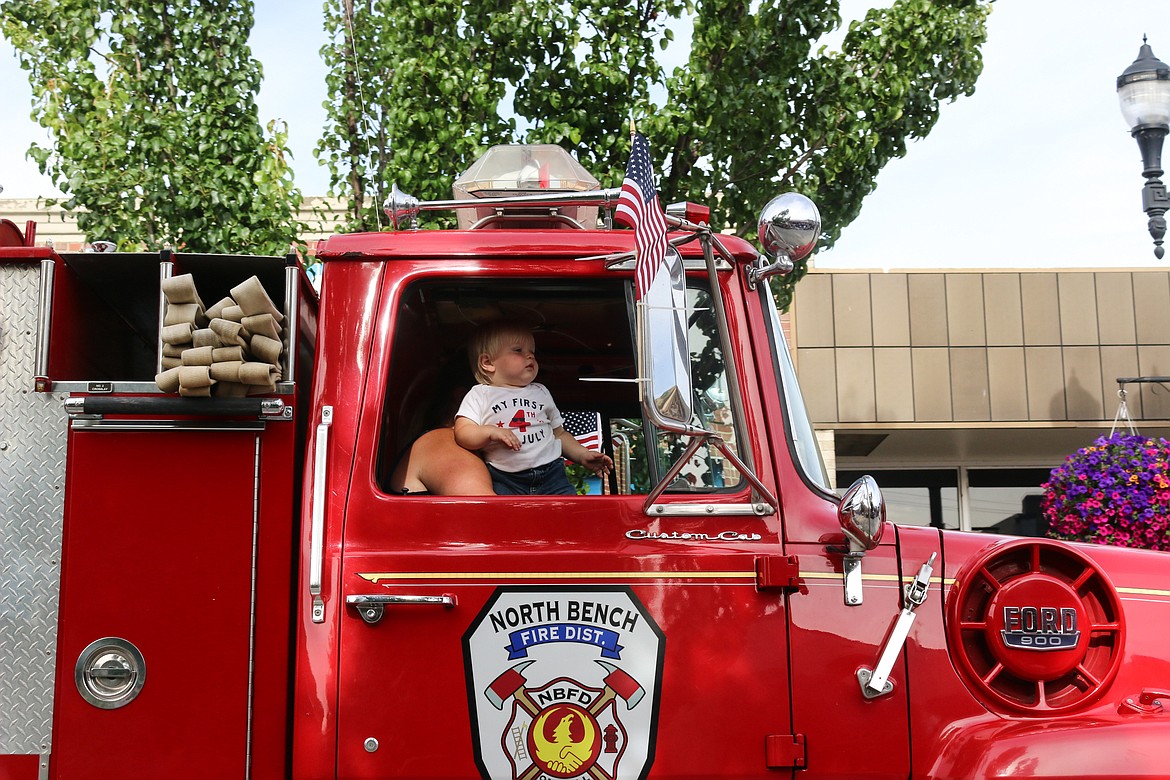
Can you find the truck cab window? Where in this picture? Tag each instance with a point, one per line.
(585, 349)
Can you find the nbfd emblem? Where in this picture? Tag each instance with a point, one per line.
(563, 683)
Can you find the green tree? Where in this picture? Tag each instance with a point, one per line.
(150, 106)
(415, 89)
(758, 109)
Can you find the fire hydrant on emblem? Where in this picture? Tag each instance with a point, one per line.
(563, 683)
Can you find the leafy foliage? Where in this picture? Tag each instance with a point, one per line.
(414, 88)
(150, 105)
(1115, 491)
(755, 111)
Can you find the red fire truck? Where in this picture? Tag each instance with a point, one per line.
(230, 586)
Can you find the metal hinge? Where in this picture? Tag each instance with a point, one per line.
(1150, 701)
(782, 751)
(777, 572)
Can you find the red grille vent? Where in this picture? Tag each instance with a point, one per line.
(1035, 627)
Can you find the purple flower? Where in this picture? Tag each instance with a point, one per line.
(1116, 491)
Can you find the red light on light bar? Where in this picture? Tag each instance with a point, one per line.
(691, 212)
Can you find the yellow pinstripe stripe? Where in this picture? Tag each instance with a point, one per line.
(558, 575)
(377, 577)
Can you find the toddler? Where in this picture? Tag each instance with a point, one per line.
(514, 421)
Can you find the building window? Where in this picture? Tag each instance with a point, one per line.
(1002, 501)
(1006, 501)
(916, 496)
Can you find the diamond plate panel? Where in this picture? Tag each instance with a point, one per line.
(32, 481)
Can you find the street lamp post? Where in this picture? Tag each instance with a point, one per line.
(1144, 92)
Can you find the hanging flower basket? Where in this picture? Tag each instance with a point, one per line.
(1116, 491)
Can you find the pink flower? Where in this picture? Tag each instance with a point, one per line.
(1115, 491)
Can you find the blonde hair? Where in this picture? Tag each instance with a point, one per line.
(487, 341)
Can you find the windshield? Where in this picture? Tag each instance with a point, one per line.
(800, 428)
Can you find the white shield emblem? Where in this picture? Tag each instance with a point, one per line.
(563, 683)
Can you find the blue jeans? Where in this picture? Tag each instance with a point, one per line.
(546, 480)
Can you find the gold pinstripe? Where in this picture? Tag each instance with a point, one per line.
(376, 577)
(558, 575)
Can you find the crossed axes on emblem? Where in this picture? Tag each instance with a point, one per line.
(618, 685)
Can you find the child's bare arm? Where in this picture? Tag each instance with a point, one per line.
(472, 436)
(598, 462)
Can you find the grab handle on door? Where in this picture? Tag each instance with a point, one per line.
(317, 518)
(371, 608)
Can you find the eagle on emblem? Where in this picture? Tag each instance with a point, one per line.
(563, 754)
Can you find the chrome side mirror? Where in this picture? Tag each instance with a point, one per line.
(862, 516)
(788, 229)
(666, 354)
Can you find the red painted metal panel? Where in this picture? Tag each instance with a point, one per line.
(724, 677)
(158, 551)
(346, 326)
(830, 642)
(1098, 741)
(19, 767)
(276, 539)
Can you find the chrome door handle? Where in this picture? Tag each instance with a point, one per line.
(371, 608)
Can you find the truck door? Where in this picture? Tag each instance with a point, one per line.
(548, 636)
(836, 632)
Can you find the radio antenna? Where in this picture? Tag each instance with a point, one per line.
(362, 102)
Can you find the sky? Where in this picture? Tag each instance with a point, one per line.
(1035, 170)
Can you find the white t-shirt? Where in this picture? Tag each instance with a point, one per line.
(529, 412)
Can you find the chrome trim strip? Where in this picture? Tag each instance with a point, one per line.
(100, 424)
(707, 510)
(291, 302)
(166, 270)
(137, 388)
(252, 609)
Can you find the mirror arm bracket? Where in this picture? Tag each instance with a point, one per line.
(762, 268)
(766, 503)
(851, 573)
(660, 488)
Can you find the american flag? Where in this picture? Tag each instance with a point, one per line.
(638, 208)
(585, 427)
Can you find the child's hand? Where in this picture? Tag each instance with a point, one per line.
(473, 436)
(502, 436)
(598, 462)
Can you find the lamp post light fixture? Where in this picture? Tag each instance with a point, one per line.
(1144, 92)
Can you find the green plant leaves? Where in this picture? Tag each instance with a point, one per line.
(757, 110)
(151, 109)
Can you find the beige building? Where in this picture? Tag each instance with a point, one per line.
(322, 215)
(959, 391)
